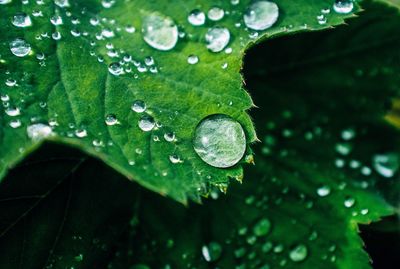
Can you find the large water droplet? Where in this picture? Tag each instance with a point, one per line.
(324, 191)
(196, 17)
(111, 120)
(212, 251)
(146, 123)
(38, 131)
(217, 38)
(298, 253)
(21, 20)
(343, 6)
(19, 47)
(160, 31)
(261, 15)
(220, 141)
(386, 164)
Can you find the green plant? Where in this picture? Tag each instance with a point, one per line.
(130, 82)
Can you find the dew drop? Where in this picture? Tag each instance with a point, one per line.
(211, 252)
(386, 164)
(261, 15)
(115, 69)
(38, 131)
(146, 123)
(15, 123)
(298, 253)
(343, 6)
(324, 191)
(262, 227)
(4, 2)
(169, 137)
(138, 106)
(220, 141)
(349, 202)
(175, 159)
(196, 17)
(160, 31)
(19, 47)
(62, 3)
(215, 13)
(21, 20)
(192, 59)
(217, 38)
(111, 120)
(13, 111)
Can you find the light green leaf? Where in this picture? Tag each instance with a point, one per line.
(64, 82)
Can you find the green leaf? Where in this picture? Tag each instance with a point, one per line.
(327, 95)
(62, 212)
(64, 82)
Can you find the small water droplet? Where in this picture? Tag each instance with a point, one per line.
(146, 123)
(115, 69)
(160, 31)
(386, 164)
(215, 13)
(19, 47)
(261, 15)
(169, 137)
(138, 106)
(262, 227)
(192, 59)
(343, 6)
(196, 17)
(211, 252)
(111, 120)
(349, 202)
(21, 20)
(217, 38)
(220, 141)
(175, 158)
(324, 191)
(298, 253)
(62, 3)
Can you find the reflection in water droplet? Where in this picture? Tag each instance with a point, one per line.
(217, 38)
(160, 31)
(298, 253)
(21, 20)
(220, 141)
(20, 47)
(211, 252)
(261, 15)
(196, 17)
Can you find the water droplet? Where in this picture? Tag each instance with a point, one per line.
(115, 69)
(343, 148)
(21, 20)
(324, 191)
(56, 20)
(386, 164)
(139, 106)
(4, 2)
(160, 31)
(298, 253)
(62, 3)
(146, 123)
(38, 131)
(13, 111)
(343, 6)
(348, 134)
(220, 141)
(175, 158)
(193, 59)
(261, 15)
(169, 137)
(111, 120)
(19, 47)
(349, 202)
(80, 133)
(196, 17)
(212, 251)
(262, 227)
(215, 13)
(15, 123)
(217, 38)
